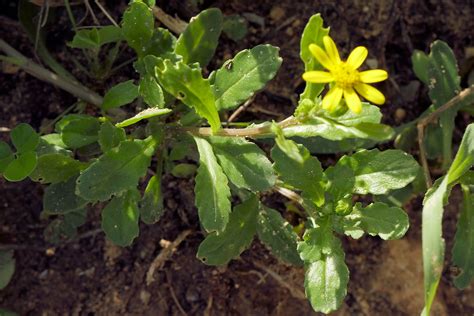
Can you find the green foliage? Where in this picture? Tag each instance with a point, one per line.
(435, 199)
(120, 218)
(151, 204)
(7, 267)
(245, 164)
(55, 168)
(137, 26)
(151, 92)
(61, 198)
(120, 94)
(110, 136)
(143, 115)
(277, 234)
(211, 190)
(248, 72)
(198, 42)
(235, 27)
(117, 171)
(219, 249)
(313, 34)
(94, 38)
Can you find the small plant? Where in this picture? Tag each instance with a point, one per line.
(101, 156)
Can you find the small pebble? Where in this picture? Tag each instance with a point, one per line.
(277, 13)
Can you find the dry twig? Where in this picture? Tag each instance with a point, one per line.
(175, 24)
(295, 292)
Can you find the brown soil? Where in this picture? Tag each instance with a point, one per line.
(89, 276)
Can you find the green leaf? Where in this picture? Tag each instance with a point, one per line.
(420, 63)
(96, 37)
(188, 85)
(6, 156)
(278, 235)
(137, 26)
(151, 92)
(6, 312)
(80, 131)
(54, 168)
(341, 181)
(120, 218)
(369, 114)
(305, 175)
(7, 267)
(244, 163)
(24, 138)
(318, 241)
(432, 217)
(143, 115)
(219, 249)
(120, 94)
(248, 72)
(183, 170)
(61, 198)
(162, 44)
(211, 190)
(463, 249)
(199, 40)
(332, 130)
(313, 34)
(21, 167)
(65, 227)
(326, 282)
(235, 27)
(151, 205)
(378, 172)
(110, 136)
(117, 171)
(377, 219)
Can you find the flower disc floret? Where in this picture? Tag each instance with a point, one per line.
(346, 81)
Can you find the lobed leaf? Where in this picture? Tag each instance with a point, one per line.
(248, 72)
(199, 40)
(117, 171)
(120, 94)
(211, 190)
(61, 198)
(6, 156)
(55, 168)
(219, 249)
(120, 218)
(21, 167)
(244, 163)
(278, 235)
(378, 172)
(24, 138)
(110, 136)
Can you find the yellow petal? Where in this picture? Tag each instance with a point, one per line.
(321, 56)
(357, 57)
(332, 98)
(370, 93)
(352, 100)
(371, 76)
(331, 49)
(318, 76)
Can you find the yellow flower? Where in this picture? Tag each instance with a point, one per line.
(344, 77)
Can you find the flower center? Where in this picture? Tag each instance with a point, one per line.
(344, 75)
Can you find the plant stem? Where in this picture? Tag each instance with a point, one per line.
(73, 87)
(466, 95)
(239, 132)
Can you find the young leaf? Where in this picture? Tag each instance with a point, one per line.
(420, 62)
(341, 181)
(378, 172)
(219, 249)
(54, 168)
(7, 268)
(211, 190)
(77, 132)
(120, 94)
(151, 205)
(188, 85)
(376, 219)
(94, 38)
(151, 92)
(24, 138)
(137, 26)
(277, 234)
(435, 199)
(21, 167)
(248, 72)
(463, 249)
(244, 163)
(117, 171)
(305, 175)
(143, 115)
(235, 27)
(6, 156)
(313, 34)
(120, 218)
(326, 274)
(110, 136)
(162, 44)
(61, 198)
(199, 40)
